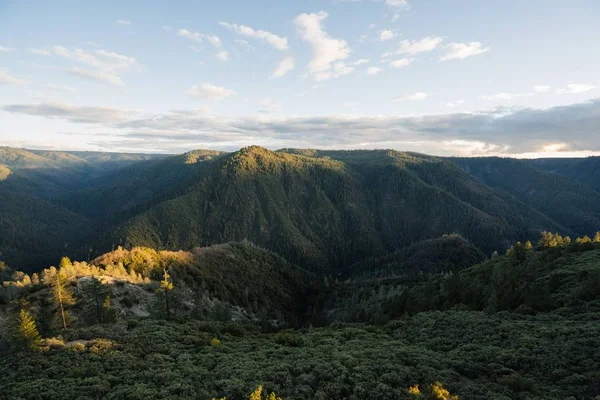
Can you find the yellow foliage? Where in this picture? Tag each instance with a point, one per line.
(414, 390)
(441, 393)
(215, 342)
(257, 395)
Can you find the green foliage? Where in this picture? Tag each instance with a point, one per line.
(27, 335)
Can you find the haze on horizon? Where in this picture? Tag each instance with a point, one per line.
(466, 78)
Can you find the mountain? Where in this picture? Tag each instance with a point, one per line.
(48, 174)
(446, 254)
(584, 170)
(331, 209)
(34, 232)
(571, 204)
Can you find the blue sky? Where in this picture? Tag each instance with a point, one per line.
(517, 78)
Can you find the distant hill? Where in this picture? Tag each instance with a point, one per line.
(447, 254)
(572, 204)
(584, 170)
(323, 210)
(331, 209)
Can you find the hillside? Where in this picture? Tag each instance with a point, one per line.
(324, 213)
(584, 170)
(570, 203)
(535, 338)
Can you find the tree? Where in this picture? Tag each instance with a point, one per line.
(61, 293)
(95, 295)
(597, 237)
(166, 286)
(27, 334)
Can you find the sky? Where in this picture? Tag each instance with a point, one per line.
(444, 77)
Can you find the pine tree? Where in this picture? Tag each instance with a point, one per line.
(95, 295)
(166, 286)
(27, 334)
(597, 237)
(62, 295)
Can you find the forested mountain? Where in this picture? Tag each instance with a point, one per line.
(323, 210)
(584, 170)
(330, 210)
(570, 203)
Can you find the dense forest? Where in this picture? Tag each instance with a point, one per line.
(298, 274)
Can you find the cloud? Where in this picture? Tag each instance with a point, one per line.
(414, 96)
(456, 103)
(575, 88)
(97, 75)
(60, 88)
(40, 52)
(7, 49)
(200, 37)
(206, 91)
(373, 70)
(327, 52)
(339, 69)
(423, 45)
(123, 22)
(278, 42)
(245, 45)
(78, 114)
(103, 60)
(6, 78)
(403, 62)
(502, 131)
(386, 35)
(505, 96)
(461, 51)
(361, 61)
(398, 3)
(285, 65)
(541, 88)
(223, 56)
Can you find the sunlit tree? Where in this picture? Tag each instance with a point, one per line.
(27, 334)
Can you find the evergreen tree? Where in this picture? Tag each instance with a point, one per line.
(597, 237)
(165, 289)
(27, 334)
(61, 293)
(95, 294)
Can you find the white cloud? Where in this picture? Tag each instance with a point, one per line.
(167, 28)
(423, 45)
(361, 61)
(7, 49)
(505, 96)
(200, 37)
(98, 75)
(414, 96)
(541, 88)
(398, 3)
(463, 50)
(456, 103)
(327, 52)
(100, 115)
(100, 59)
(575, 88)
(245, 45)
(278, 42)
(373, 70)
(123, 22)
(285, 65)
(206, 91)
(223, 56)
(40, 52)
(268, 106)
(386, 35)
(60, 88)
(403, 62)
(6, 78)
(339, 69)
